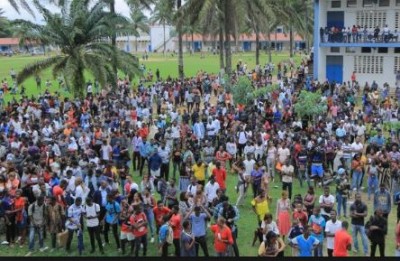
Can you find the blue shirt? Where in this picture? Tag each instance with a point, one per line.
(305, 245)
(198, 224)
(187, 239)
(162, 234)
(145, 149)
(113, 209)
(155, 162)
(317, 223)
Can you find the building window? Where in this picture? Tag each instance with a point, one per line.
(397, 20)
(368, 64)
(384, 3)
(371, 19)
(350, 50)
(382, 50)
(335, 49)
(336, 4)
(396, 64)
(397, 50)
(351, 3)
(365, 49)
(368, 3)
(397, 2)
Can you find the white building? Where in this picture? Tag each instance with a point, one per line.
(372, 56)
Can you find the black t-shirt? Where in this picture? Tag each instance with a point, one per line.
(359, 208)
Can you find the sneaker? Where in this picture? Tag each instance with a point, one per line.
(141, 245)
(43, 249)
(152, 240)
(5, 243)
(119, 250)
(29, 253)
(355, 251)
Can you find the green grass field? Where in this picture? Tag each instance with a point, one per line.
(247, 222)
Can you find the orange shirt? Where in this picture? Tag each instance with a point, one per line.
(67, 131)
(220, 177)
(159, 213)
(143, 132)
(19, 203)
(342, 240)
(175, 222)
(136, 219)
(219, 235)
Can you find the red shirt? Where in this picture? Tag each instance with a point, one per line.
(220, 177)
(175, 222)
(301, 216)
(342, 240)
(159, 213)
(136, 219)
(19, 203)
(58, 193)
(219, 235)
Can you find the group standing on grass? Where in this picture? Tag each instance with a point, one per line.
(67, 164)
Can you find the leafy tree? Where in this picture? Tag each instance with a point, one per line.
(24, 4)
(242, 90)
(310, 104)
(4, 25)
(80, 34)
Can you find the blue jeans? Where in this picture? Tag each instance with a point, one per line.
(372, 186)
(32, 231)
(341, 203)
(318, 250)
(359, 229)
(357, 175)
(150, 220)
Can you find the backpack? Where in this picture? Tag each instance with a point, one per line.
(170, 236)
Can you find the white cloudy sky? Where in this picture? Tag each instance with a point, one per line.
(10, 13)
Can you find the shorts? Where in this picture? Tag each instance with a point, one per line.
(126, 235)
(317, 170)
(155, 173)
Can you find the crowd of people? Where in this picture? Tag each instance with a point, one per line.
(152, 165)
(358, 34)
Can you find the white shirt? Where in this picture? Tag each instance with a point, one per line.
(269, 227)
(92, 211)
(332, 228)
(211, 191)
(358, 147)
(283, 154)
(248, 166)
(326, 200)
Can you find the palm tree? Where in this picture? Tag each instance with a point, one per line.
(162, 14)
(179, 19)
(18, 4)
(81, 33)
(292, 14)
(4, 24)
(25, 35)
(139, 23)
(222, 12)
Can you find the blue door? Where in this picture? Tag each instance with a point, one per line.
(335, 19)
(197, 46)
(334, 68)
(246, 46)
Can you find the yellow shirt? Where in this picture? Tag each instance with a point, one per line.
(261, 208)
(199, 171)
(210, 168)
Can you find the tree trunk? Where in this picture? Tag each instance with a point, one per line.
(165, 41)
(78, 83)
(291, 39)
(221, 48)
(269, 49)
(180, 44)
(192, 47)
(228, 49)
(257, 46)
(114, 45)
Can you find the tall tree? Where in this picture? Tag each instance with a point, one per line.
(139, 23)
(163, 15)
(80, 33)
(4, 25)
(179, 19)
